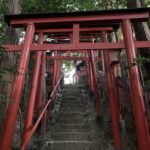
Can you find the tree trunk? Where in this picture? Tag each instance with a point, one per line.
(142, 32)
(13, 6)
(9, 60)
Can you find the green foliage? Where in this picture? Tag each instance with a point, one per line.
(141, 60)
(68, 65)
(40, 6)
(3, 70)
(3, 6)
(69, 5)
(147, 3)
(2, 29)
(2, 24)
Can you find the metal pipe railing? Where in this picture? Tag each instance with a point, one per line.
(25, 143)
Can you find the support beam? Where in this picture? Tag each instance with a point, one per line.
(91, 77)
(103, 17)
(54, 73)
(75, 48)
(44, 122)
(70, 30)
(114, 77)
(87, 73)
(76, 34)
(96, 90)
(12, 110)
(141, 122)
(31, 104)
(111, 97)
(66, 58)
(40, 86)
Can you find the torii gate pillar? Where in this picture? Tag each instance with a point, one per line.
(12, 110)
(141, 123)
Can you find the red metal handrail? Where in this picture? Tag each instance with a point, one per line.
(25, 143)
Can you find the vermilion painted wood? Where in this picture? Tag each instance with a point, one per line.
(12, 110)
(114, 17)
(91, 77)
(66, 58)
(68, 30)
(58, 70)
(87, 73)
(44, 122)
(77, 48)
(33, 93)
(76, 34)
(54, 73)
(40, 85)
(96, 90)
(111, 97)
(141, 122)
(114, 76)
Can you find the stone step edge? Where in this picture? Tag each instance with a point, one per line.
(78, 132)
(69, 142)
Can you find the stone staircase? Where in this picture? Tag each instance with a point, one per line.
(74, 125)
(72, 130)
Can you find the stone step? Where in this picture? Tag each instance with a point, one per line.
(72, 128)
(72, 110)
(70, 86)
(71, 145)
(72, 103)
(65, 120)
(77, 103)
(70, 136)
(69, 104)
(73, 115)
(71, 92)
(69, 97)
(72, 89)
(71, 100)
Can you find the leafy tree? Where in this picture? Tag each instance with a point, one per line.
(2, 25)
(69, 5)
(142, 32)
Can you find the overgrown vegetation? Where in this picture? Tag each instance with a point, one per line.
(2, 24)
(2, 53)
(69, 5)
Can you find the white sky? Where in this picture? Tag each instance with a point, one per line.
(68, 79)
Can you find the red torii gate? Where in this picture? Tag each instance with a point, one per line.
(35, 22)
